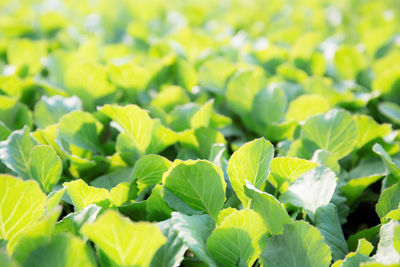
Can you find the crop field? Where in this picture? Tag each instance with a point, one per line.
(199, 133)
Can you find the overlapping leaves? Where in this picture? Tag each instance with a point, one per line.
(199, 133)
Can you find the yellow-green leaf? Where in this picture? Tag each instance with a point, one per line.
(83, 195)
(45, 166)
(250, 162)
(125, 242)
(21, 204)
(237, 238)
(134, 121)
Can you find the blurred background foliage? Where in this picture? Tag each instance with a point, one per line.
(130, 51)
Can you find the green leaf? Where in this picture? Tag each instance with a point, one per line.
(217, 154)
(186, 74)
(135, 210)
(326, 159)
(120, 194)
(275, 132)
(186, 153)
(169, 97)
(236, 238)
(182, 115)
(132, 77)
(6, 260)
(16, 150)
(269, 105)
(14, 114)
(125, 147)
(201, 140)
(49, 110)
(291, 73)
(288, 169)
(225, 213)
(269, 208)
(369, 234)
(45, 166)
(323, 86)
(377, 264)
(53, 200)
(134, 122)
(386, 83)
(305, 45)
(369, 129)
(191, 181)
(300, 149)
(191, 116)
(311, 190)
(172, 252)
(25, 52)
(390, 59)
(355, 259)
(194, 231)
(349, 61)
(123, 241)
(392, 166)
(388, 200)
(81, 129)
(64, 250)
(83, 195)
(306, 106)
(47, 136)
(35, 235)
(113, 178)
(364, 247)
(336, 132)
(4, 131)
(148, 170)
(300, 245)
(367, 172)
(177, 204)
(22, 203)
(80, 166)
(214, 73)
(201, 118)
(219, 121)
(327, 221)
(386, 252)
(340, 202)
(157, 209)
(88, 81)
(391, 111)
(250, 162)
(74, 221)
(243, 87)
